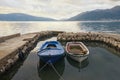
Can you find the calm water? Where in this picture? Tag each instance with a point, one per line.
(103, 64)
(7, 28)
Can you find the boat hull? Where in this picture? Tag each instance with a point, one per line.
(78, 58)
(51, 59)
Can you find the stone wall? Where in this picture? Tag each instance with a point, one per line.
(112, 40)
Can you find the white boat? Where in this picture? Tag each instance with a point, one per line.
(77, 51)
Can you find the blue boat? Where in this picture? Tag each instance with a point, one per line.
(51, 52)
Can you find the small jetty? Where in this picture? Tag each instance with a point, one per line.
(13, 46)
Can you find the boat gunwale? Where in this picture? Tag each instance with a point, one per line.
(51, 55)
(78, 55)
(59, 47)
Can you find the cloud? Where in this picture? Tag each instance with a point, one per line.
(114, 0)
(55, 8)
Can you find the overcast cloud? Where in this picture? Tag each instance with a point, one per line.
(57, 9)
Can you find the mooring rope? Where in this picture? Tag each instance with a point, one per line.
(61, 78)
(80, 65)
(44, 66)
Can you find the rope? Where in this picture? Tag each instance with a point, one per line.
(53, 69)
(80, 65)
(56, 71)
(44, 66)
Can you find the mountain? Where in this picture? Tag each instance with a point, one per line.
(22, 17)
(100, 14)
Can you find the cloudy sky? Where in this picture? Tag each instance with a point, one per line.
(57, 9)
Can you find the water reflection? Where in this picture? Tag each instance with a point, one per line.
(10, 73)
(78, 65)
(48, 73)
(103, 45)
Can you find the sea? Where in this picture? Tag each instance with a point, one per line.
(7, 28)
(103, 62)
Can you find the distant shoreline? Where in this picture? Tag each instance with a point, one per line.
(69, 21)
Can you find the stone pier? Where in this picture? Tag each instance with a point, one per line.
(112, 40)
(12, 45)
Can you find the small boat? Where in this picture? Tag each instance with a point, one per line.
(51, 52)
(77, 51)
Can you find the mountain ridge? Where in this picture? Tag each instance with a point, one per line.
(98, 14)
(22, 17)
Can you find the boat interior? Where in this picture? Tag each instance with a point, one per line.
(76, 49)
(51, 46)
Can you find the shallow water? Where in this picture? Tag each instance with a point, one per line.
(103, 64)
